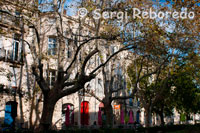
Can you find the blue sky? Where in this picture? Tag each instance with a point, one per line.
(70, 5)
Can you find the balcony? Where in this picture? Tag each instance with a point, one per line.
(10, 57)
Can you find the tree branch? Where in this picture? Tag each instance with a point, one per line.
(148, 74)
(92, 94)
(42, 83)
(103, 64)
(79, 84)
(113, 91)
(87, 59)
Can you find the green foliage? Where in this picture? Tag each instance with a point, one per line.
(185, 94)
(179, 90)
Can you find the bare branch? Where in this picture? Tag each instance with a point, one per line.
(92, 94)
(69, 83)
(120, 50)
(77, 51)
(87, 59)
(147, 75)
(81, 80)
(113, 91)
(42, 83)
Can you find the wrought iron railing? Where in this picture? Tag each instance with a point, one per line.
(10, 56)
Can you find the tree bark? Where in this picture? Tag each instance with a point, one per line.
(47, 114)
(147, 117)
(109, 115)
(162, 117)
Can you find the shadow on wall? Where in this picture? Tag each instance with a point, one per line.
(17, 123)
(87, 119)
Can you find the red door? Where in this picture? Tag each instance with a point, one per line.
(84, 113)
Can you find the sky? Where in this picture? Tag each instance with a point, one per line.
(70, 5)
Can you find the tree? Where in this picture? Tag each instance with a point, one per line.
(151, 88)
(113, 85)
(75, 75)
(72, 77)
(185, 95)
(163, 91)
(175, 44)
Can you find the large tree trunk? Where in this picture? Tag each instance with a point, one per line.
(147, 117)
(162, 117)
(109, 114)
(47, 114)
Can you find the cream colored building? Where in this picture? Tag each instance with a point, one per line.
(11, 63)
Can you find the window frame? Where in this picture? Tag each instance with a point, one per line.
(16, 47)
(51, 81)
(52, 51)
(1, 42)
(68, 49)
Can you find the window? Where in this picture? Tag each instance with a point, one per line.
(130, 99)
(52, 78)
(17, 21)
(113, 49)
(52, 49)
(100, 90)
(1, 17)
(15, 53)
(98, 61)
(150, 79)
(68, 50)
(1, 47)
(1, 42)
(89, 33)
(80, 56)
(17, 13)
(52, 20)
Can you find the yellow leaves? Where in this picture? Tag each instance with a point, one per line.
(90, 6)
(168, 41)
(109, 30)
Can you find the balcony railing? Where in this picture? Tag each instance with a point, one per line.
(9, 56)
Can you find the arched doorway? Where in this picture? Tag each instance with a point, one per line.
(68, 114)
(10, 112)
(85, 113)
(131, 117)
(101, 107)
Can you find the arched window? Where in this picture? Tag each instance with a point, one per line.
(85, 113)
